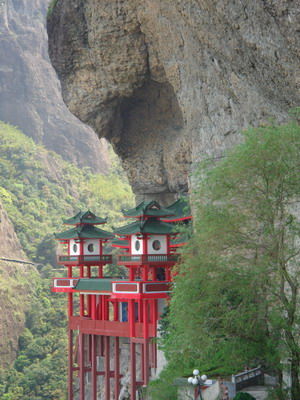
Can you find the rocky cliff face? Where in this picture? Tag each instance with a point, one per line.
(172, 82)
(29, 89)
(15, 290)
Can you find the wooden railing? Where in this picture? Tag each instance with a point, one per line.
(85, 259)
(251, 377)
(148, 258)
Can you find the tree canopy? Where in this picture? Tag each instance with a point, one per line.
(236, 295)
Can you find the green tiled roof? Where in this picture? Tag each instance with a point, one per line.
(148, 209)
(85, 217)
(94, 284)
(151, 226)
(180, 210)
(85, 232)
(121, 243)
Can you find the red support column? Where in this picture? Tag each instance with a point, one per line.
(70, 271)
(106, 368)
(145, 361)
(131, 273)
(117, 367)
(145, 349)
(81, 366)
(116, 310)
(70, 304)
(89, 272)
(93, 306)
(81, 298)
(132, 371)
(94, 367)
(131, 317)
(89, 305)
(81, 271)
(70, 366)
(100, 271)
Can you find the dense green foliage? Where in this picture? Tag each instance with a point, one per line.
(39, 371)
(236, 297)
(38, 190)
(243, 396)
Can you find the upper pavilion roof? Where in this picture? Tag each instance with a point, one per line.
(84, 232)
(85, 217)
(148, 209)
(150, 226)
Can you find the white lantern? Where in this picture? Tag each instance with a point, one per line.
(196, 372)
(190, 379)
(195, 381)
(203, 378)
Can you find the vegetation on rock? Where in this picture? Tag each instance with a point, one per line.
(38, 190)
(236, 299)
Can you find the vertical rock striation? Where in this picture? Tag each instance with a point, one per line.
(172, 82)
(29, 89)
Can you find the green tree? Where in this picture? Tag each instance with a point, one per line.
(236, 297)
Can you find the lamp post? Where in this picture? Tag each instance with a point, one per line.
(197, 381)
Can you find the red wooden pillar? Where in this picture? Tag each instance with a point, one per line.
(70, 271)
(132, 371)
(93, 306)
(81, 271)
(146, 361)
(81, 299)
(70, 366)
(106, 368)
(81, 366)
(116, 310)
(89, 272)
(94, 367)
(145, 354)
(131, 318)
(131, 273)
(70, 304)
(100, 271)
(117, 367)
(89, 305)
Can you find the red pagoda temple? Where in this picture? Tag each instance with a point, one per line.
(106, 313)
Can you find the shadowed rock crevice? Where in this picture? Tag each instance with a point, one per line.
(151, 139)
(176, 81)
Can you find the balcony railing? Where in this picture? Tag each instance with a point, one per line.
(148, 258)
(85, 259)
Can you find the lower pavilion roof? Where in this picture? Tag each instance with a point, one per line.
(95, 284)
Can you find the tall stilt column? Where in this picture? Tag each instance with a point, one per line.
(132, 371)
(70, 366)
(106, 368)
(81, 366)
(94, 367)
(117, 367)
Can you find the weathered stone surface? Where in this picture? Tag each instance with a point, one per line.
(172, 82)
(30, 94)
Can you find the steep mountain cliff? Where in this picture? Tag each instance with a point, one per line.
(173, 82)
(29, 90)
(15, 290)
